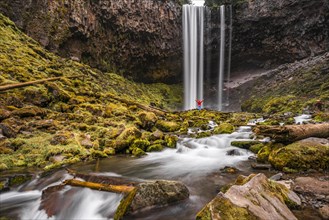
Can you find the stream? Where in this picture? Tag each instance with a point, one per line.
(195, 162)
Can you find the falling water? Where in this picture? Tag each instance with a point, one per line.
(193, 21)
(196, 20)
(221, 57)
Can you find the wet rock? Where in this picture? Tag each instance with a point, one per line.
(311, 186)
(259, 198)
(229, 170)
(150, 194)
(233, 152)
(156, 135)
(276, 177)
(258, 166)
(19, 179)
(324, 212)
(86, 141)
(4, 114)
(8, 131)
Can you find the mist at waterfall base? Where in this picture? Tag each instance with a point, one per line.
(195, 162)
(207, 38)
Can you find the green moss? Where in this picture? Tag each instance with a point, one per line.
(224, 128)
(167, 126)
(301, 156)
(171, 141)
(226, 209)
(244, 144)
(19, 180)
(263, 154)
(140, 143)
(204, 134)
(256, 148)
(124, 205)
(138, 152)
(155, 147)
(148, 119)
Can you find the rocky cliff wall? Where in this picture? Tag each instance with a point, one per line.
(140, 38)
(271, 32)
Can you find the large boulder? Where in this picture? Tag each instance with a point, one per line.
(258, 198)
(150, 194)
(311, 153)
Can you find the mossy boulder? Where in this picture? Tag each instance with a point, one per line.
(151, 194)
(263, 154)
(148, 120)
(171, 141)
(244, 144)
(155, 147)
(130, 134)
(137, 152)
(167, 126)
(37, 96)
(140, 143)
(311, 153)
(256, 148)
(224, 128)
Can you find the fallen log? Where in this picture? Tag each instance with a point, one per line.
(24, 84)
(99, 186)
(144, 107)
(96, 178)
(292, 133)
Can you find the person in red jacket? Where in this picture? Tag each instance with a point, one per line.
(199, 102)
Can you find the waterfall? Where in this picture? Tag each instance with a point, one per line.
(195, 21)
(193, 17)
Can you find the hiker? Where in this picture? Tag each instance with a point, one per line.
(199, 102)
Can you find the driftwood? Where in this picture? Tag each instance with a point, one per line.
(292, 133)
(100, 186)
(24, 84)
(144, 107)
(109, 180)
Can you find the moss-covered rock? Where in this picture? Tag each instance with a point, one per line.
(263, 154)
(256, 148)
(140, 143)
(244, 144)
(137, 152)
(224, 128)
(167, 126)
(155, 147)
(148, 119)
(302, 155)
(171, 141)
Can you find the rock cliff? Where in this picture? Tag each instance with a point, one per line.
(268, 33)
(139, 38)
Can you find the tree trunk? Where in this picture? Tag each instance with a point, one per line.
(292, 133)
(99, 186)
(24, 84)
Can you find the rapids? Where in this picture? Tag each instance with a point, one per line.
(195, 162)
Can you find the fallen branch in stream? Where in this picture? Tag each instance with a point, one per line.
(144, 107)
(24, 84)
(99, 186)
(292, 133)
(96, 178)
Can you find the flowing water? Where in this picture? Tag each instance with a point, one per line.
(195, 162)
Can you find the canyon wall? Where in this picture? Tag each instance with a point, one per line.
(138, 38)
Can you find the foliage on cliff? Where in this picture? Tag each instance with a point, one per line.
(293, 88)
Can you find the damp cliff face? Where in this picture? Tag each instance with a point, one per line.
(141, 38)
(272, 32)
